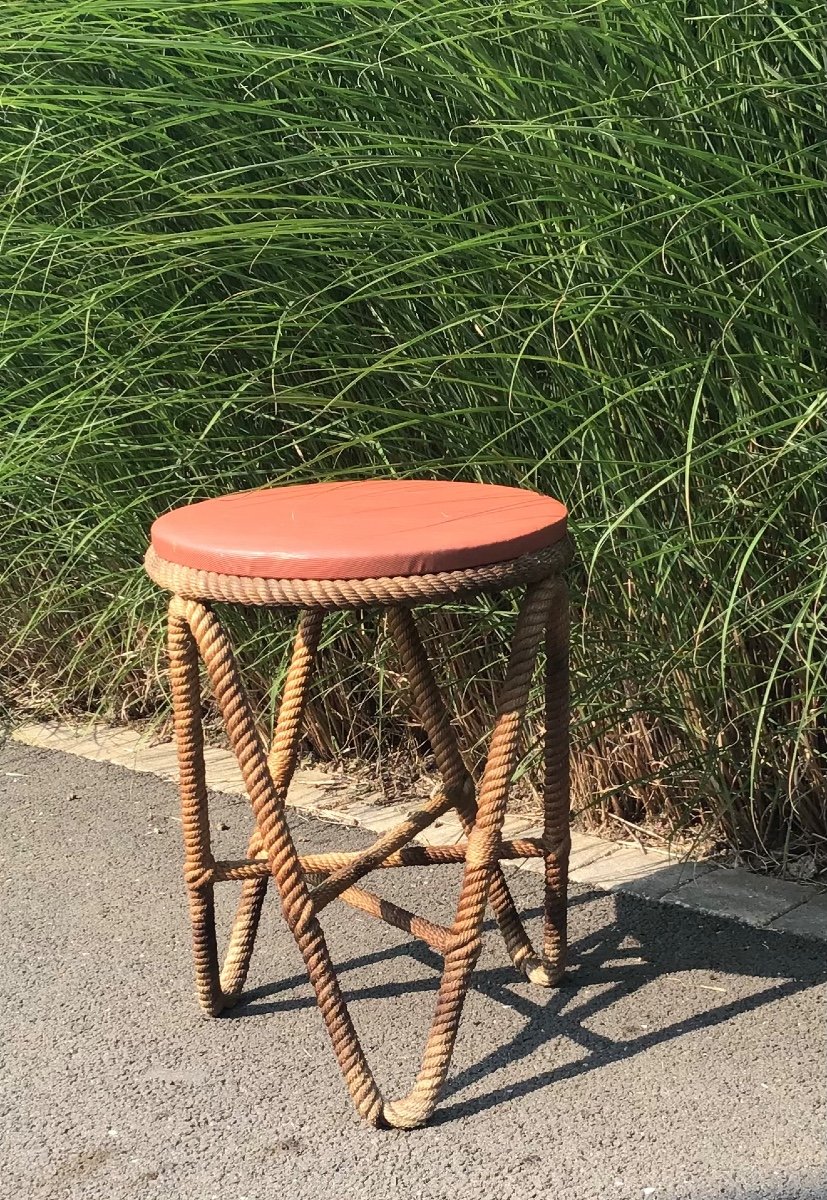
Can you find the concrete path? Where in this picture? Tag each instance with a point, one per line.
(684, 1059)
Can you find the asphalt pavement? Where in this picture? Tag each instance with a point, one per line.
(683, 1059)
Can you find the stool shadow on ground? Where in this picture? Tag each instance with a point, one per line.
(642, 943)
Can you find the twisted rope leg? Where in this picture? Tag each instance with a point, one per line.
(480, 864)
(267, 801)
(193, 625)
(216, 991)
(244, 930)
(459, 785)
(556, 830)
(198, 859)
(281, 764)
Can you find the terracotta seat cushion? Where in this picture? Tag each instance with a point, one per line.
(359, 529)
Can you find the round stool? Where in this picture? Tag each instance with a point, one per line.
(394, 544)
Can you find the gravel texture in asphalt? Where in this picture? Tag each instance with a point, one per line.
(684, 1059)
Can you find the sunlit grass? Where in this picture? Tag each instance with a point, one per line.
(575, 246)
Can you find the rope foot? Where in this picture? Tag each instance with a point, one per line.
(396, 1116)
(543, 975)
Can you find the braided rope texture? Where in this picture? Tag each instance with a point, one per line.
(357, 593)
(306, 886)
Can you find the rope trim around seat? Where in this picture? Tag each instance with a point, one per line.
(193, 584)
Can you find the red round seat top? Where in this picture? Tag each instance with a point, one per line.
(360, 529)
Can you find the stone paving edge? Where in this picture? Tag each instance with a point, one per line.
(775, 904)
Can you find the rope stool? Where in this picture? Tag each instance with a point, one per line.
(394, 544)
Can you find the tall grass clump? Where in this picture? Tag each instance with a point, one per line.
(575, 246)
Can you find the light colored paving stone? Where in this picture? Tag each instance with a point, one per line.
(807, 920)
(158, 760)
(128, 748)
(737, 893)
(536, 866)
(337, 815)
(532, 831)
(222, 771)
(647, 873)
(215, 757)
(517, 826)
(360, 812)
(445, 831)
(307, 796)
(98, 744)
(586, 849)
(45, 734)
(322, 779)
(225, 779)
(224, 774)
(448, 831)
(122, 753)
(122, 747)
(383, 819)
(609, 871)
